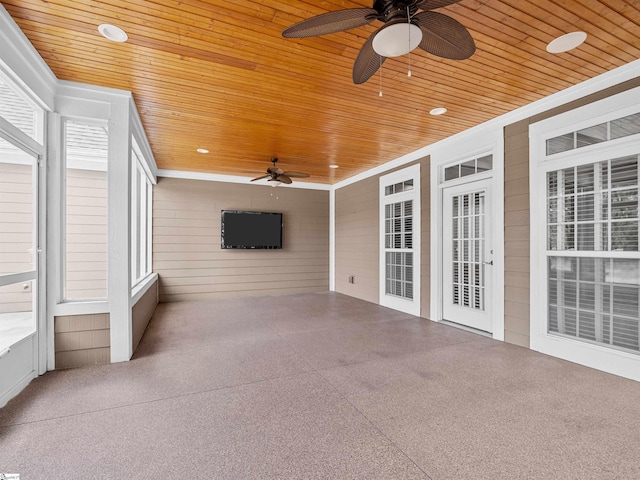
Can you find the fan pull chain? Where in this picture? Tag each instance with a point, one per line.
(380, 77)
(409, 56)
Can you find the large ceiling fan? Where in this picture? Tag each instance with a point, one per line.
(404, 29)
(277, 174)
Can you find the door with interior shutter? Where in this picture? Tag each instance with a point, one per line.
(467, 255)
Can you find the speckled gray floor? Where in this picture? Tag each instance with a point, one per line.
(321, 386)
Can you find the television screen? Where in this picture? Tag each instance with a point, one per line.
(251, 229)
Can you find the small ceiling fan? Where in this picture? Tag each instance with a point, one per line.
(404, 29)
(279, 175)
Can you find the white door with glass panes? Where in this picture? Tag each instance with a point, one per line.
(467, 255)
(400, 240)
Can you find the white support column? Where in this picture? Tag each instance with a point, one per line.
(119, 175)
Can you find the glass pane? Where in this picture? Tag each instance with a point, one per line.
(624, 236)
(624, 172)
(552, 184)
(485, 163)
(568, 181)
(624, 204)
(625, 126)
(86, 211)
(559, 144)
(16, 313)
(467, 168)
(16, 210)
(21, 112)
(607, 309)
(585, 178)
(451, 173)
(591, 135)
(585, 207)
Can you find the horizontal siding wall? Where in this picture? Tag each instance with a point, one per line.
(358, 238)
(186, 241)
(81, 340)
(516, 234)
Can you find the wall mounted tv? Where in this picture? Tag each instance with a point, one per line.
(259, 230)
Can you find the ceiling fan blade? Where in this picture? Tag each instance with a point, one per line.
(260, 178)
(368, 61)
(444, 36)
(284, 179)
(331, 22)
(433, 4)
(296, 174)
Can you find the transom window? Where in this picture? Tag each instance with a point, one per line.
(468, 167)
(602, 132)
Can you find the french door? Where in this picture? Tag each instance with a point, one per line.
(468, 255)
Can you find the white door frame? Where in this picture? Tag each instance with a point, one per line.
(411, 307)
(472, 145)
(475, 318)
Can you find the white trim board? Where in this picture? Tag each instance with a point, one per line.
(212, 177)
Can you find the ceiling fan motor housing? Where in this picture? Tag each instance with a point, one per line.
(392, 9)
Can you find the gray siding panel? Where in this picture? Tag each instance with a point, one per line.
(358, 243)
(186, 241)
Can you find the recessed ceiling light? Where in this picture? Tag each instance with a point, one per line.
(113, 33)
(333, 165)
(566, 42)
(202, 150)
(438, 111)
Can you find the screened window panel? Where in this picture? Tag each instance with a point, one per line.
(86, 237)
(19, 111)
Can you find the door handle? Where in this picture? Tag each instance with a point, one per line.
(490, 262)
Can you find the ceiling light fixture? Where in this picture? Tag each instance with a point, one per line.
(202, 150)
(333, 165)
(566, 42)
(397, 39)
(113, 33)
(438, 111)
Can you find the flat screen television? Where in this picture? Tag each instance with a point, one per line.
(259, 230)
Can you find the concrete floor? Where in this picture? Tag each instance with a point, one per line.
(321, 386)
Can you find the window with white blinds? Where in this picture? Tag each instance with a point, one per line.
(592, 245)
(399, 241)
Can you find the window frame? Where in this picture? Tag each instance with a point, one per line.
(141, 218)
(594, 355)
(62, 291)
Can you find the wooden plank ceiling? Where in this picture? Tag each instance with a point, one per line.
(218, 74)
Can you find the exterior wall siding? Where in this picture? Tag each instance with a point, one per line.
(81, 340)
(186, 241)
(358, 238)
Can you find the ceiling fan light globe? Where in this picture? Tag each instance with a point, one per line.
(397, 39)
